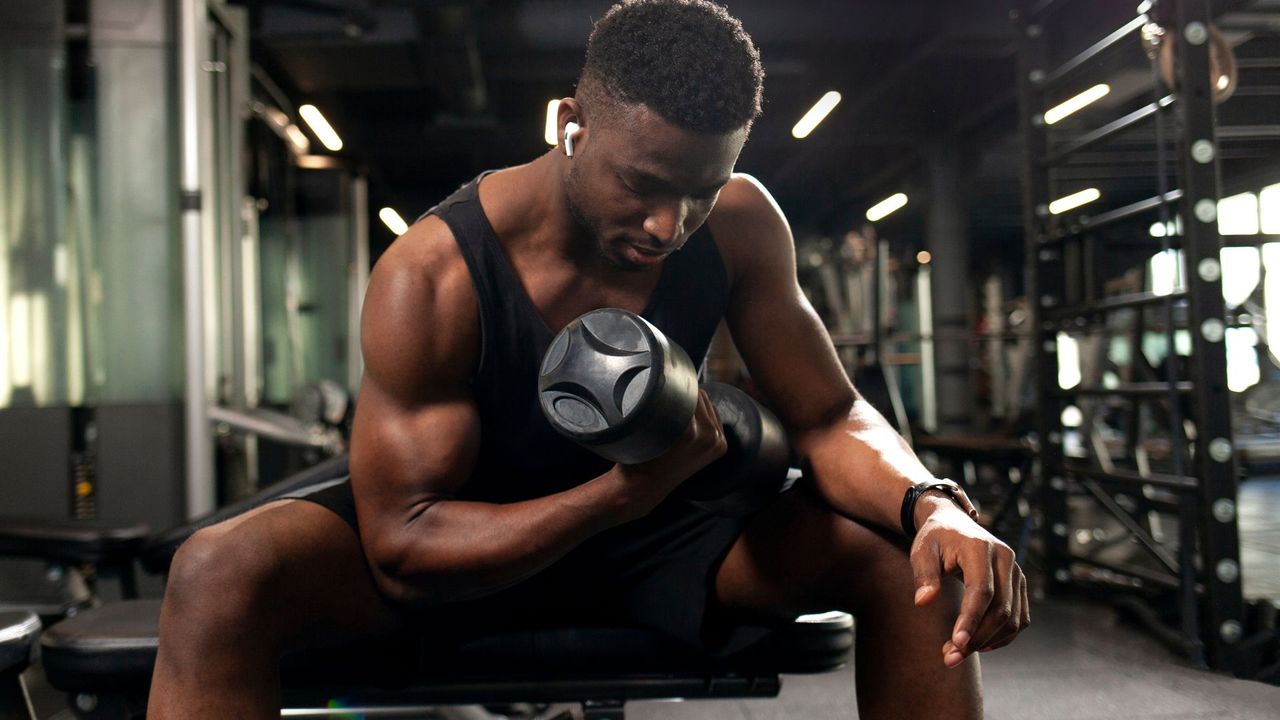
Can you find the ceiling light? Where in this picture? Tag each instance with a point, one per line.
(882, 209)
(393, 221)
(1077, 103)
(553, 124)
(318, 162)
(297, 137)
(321, 127)
(815, 115)
(1073, 201)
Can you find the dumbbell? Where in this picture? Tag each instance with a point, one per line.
(613, 383)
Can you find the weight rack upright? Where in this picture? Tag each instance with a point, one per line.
(1203, 578)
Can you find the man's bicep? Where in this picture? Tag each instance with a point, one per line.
(416, 428)
(408, 453)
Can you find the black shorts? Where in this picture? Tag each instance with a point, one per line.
(656, 572)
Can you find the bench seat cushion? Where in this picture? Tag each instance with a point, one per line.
(114, 647)
(18, 632)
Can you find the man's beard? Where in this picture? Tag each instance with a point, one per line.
(592, 232)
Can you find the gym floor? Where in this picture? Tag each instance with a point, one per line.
(1077, 661)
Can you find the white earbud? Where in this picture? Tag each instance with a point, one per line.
(571, 128)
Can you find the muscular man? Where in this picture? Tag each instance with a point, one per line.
(464, 504)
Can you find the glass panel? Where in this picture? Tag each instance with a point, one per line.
(33, 253)
(135, 234)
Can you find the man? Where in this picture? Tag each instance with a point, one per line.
(466, 505)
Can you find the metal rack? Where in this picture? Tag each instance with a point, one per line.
(1199, 575)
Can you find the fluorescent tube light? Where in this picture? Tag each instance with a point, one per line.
(885, 207)
(1073, 201)
(1077, 103)
(321, 127)
(815, 115)
(393, 221)
(550, 133)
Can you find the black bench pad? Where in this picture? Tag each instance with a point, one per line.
(18, 632)
(113, 648)
(158, 552)
(70, 542)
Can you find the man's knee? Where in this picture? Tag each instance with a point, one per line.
(220, 575)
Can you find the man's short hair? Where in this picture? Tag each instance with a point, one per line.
(688, 60)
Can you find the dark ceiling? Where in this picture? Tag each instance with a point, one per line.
(427, 94)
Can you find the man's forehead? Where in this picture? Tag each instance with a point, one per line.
(697, 176)
(655, 147)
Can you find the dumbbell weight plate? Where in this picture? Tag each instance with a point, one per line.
(613, 383)
(754, 468)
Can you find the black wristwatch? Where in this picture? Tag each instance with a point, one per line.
(948, 487)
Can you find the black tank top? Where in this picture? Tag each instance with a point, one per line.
(521, 456)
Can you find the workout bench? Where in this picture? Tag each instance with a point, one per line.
(103, 657)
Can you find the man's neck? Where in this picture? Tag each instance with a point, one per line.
(529, 210)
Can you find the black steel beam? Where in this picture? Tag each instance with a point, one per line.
(1162, 579)
(1180, 483)
(1117, 302)
(1111, 217)
(1214, 457)
(1044, 281)
(1109, 130)
(1135, 530)
(1128, 389)
(1094, 51)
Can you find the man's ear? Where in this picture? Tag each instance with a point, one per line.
(569, 111)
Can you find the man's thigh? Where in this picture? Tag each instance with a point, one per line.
(798, 556)
(296, 568)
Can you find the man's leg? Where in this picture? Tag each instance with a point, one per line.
(799, 556)
(243, 592)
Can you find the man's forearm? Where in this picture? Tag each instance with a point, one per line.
(862, 466)
(458, 550)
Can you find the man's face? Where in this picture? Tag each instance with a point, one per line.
(641, 186)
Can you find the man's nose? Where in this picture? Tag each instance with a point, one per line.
(665, 222)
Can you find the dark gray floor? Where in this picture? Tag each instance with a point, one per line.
(1075, 662)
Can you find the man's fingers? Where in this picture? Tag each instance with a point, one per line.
(1006, 605)
(951, 655)
(1018, 621)
(979, 590)
(926, 567)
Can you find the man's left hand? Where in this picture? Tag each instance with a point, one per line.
(995, 607)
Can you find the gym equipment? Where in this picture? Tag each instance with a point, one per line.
(102, 658)
(613, 383)
(81, 553)
(18, 631)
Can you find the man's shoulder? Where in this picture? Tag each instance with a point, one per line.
(744, 197)
(426, 258)
(421, 286)
(746, 219)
